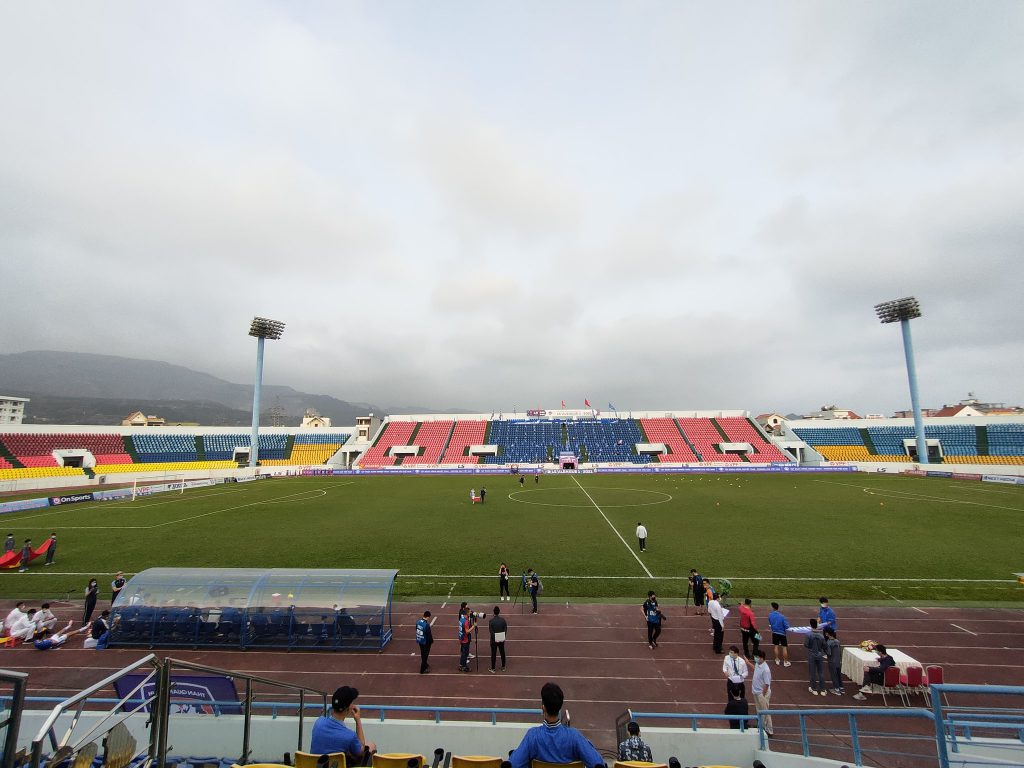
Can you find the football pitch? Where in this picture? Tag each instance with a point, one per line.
(850, 536)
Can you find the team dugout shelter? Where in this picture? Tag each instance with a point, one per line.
(323, 609)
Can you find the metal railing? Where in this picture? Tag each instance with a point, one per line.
(11, 723)
(77, 703)
(164, 699)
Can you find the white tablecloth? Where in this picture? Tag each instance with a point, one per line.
(855, 659)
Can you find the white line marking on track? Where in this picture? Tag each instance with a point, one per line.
(963, 630)
(919, 610)
(629, 548)
(449, 595)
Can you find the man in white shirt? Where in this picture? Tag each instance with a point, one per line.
(734, 667)
(641, 535)
(16, 613)
(25, 627)
(45, 620)
(761, 685)
(717, 614)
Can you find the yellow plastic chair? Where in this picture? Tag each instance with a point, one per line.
(310, 760)
(397, 760)
(475, 761)
(546, 764)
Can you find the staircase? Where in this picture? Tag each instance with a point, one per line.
(447, 441)
(981, 433)
(129, 447)
(289, 444)
(200, 449)
(6, 454)
(693, 448)
(868, 443)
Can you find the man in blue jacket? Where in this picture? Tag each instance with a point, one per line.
(826, 616)
(425, 639)
(552, 741)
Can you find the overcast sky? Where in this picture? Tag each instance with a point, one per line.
(486, 205)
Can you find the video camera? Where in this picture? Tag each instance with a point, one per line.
(478, 614)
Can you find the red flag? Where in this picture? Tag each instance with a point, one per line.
(586, 402)
(563, 403)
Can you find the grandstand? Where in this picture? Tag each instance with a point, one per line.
(32, 453)
(406, 443)
(978, 441)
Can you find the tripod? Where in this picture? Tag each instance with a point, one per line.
(519, 593)
(686, 605)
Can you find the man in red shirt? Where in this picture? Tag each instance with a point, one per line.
(748, 629)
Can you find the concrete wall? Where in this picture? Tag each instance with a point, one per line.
(195, 735)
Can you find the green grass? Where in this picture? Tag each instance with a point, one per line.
(787, 537)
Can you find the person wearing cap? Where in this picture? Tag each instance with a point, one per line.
(634, 748)
(552, 741)
(330, 734)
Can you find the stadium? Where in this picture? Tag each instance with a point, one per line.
(191, 519)
(360, 551)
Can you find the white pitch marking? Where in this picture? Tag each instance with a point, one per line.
(629, 548)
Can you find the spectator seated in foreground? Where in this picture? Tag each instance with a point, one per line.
(554, 742)
(330, 734)
(634, 748)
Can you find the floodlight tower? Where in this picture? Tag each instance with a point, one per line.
(904, 310)
(262, 329)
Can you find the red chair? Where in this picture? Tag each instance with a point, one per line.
(932, 676)
(913, 681)
(891, 684)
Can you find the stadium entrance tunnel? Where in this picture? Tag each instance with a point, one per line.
(328, 609)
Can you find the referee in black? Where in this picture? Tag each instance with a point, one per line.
(498, 628)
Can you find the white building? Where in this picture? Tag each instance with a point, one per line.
(12, 409)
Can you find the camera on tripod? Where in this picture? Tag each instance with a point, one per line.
(478, 614)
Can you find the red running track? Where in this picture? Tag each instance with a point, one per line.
(597, 653)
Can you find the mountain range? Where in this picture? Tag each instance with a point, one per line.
(81, 388)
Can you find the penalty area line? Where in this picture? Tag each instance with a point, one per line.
(614, 530)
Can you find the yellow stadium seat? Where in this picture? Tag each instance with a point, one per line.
(397, 760)
(475, 761)
(309, 760)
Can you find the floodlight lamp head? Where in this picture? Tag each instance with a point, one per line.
(896, 310)
(262, 328)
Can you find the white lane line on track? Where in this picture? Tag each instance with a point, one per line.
(963, 630)
(628, 548)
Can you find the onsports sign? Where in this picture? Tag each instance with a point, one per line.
(56, 501)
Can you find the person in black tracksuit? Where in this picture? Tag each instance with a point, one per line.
(653, 616)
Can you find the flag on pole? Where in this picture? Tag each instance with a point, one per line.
(586, 402)
(563, 403)
(610, 406)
